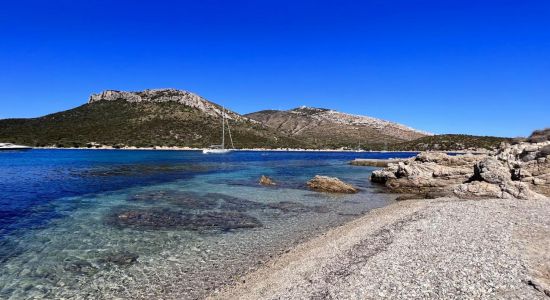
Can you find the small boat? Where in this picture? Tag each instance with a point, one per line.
(10, 146)
(220, 149)
(212, 150)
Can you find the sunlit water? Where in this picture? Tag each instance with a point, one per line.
(100, 224)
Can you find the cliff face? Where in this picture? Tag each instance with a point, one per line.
(326, 126)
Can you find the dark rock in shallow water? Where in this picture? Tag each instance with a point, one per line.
(141, 170)
(288, 206)
(186, 200)
(120, 258)
(81, 267)
(234, 203)
(156, 219)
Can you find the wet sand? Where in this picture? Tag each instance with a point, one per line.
(431, 249)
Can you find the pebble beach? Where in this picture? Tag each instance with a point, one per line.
(439, 249)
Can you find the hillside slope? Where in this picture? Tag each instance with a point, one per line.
(328, 128)
(142, 119)
(449, 142)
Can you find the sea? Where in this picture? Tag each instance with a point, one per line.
(145, 224)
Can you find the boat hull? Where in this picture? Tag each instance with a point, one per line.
(216, 151)
(12, 147)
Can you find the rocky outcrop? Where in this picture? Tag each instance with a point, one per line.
(427, 172)
(369, 162)
(519, 171)
(165, 95)
(330, 185)
(264, 180)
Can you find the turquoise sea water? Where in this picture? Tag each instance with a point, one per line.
(103, 224)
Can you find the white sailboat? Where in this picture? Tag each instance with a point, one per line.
(220, 149)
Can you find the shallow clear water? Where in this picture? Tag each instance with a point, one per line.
(101, 224)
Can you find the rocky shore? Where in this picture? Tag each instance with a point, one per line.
(480, 230)
(520, 171)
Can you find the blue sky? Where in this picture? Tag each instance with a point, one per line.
(477, 67)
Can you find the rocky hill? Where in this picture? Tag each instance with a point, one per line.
(170, 117)
(166, 95)
(323, 127)
(149, 118)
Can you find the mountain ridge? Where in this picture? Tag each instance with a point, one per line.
(327, 127)
(165, 95)
(178, 118)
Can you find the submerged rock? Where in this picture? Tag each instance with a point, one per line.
(182, 199)
(264, 180)
(120, 258)
(330, 185)
(234, 203)
(289, 206)
(80, 267)
(156, 219)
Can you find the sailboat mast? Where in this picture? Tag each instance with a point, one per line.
(223, 127)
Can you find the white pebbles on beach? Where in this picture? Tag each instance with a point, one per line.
(428, 249)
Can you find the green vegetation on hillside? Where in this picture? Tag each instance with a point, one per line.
(449, 142)
(145, 124)
(149, 124)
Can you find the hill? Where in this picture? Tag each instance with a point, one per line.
(323, 127)
(169, 117)
(143, 119)
(449, 142)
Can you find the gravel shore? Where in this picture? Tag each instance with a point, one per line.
(430, 249)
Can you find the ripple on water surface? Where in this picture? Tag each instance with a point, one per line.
(177, 239)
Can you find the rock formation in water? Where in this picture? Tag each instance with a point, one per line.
(330, 185)
(265, 180)
(519, 171)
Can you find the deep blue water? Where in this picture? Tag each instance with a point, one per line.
(31, 179)
(47, 193)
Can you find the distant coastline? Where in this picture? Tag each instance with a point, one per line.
(160, 148)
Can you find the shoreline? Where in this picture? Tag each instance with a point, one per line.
(246, 150)
(439, 248)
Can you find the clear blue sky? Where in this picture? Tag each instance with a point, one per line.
(478, 67)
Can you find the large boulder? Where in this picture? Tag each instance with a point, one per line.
(492, 170)
(330, 185)
(486, 190)
(478, 190)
